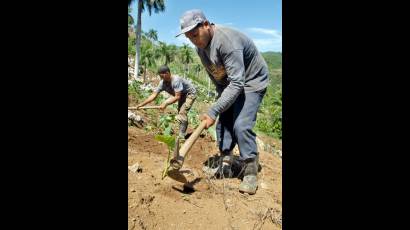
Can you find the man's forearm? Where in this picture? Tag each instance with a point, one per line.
(225, 101)
(149, 99)
(171, 100)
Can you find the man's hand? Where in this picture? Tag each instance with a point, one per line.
(208, 119)
(163, 106)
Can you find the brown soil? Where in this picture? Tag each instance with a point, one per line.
(154, 203)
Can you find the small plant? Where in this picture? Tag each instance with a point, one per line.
(193, 117)
(165, 123)
(212, 132)
(170, 142)
(148, 128)
(160, 98)
(135, 91)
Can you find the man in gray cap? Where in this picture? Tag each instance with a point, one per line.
(240, 75)
(182, 91)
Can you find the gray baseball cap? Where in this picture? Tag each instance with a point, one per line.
(190, 19)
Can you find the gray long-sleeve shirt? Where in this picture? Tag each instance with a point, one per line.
(234, 65)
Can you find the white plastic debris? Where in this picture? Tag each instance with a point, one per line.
(134, 119)
(135, 168)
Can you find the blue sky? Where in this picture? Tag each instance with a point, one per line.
(261, 20)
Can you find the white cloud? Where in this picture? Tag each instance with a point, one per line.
(271, 40)
(268, 45)
(274, 33)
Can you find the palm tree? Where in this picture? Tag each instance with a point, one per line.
(197, 68)
(130, 33)
(130, 21)
(148, 56)
(186, 56)
(167, 51)
(157, 6)
(130, 18)
(152, 35)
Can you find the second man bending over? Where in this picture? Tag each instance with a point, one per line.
(181, 90)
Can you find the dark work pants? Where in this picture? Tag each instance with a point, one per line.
(235, 125)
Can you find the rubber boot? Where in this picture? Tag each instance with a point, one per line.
(250, 182)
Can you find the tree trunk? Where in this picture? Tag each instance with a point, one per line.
(186, 70)
(138, 43)
(145, 72)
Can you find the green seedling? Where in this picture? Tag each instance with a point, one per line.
(170, 142)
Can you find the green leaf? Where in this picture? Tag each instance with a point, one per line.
(212, 131)
(168, 140)
(167, 131)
